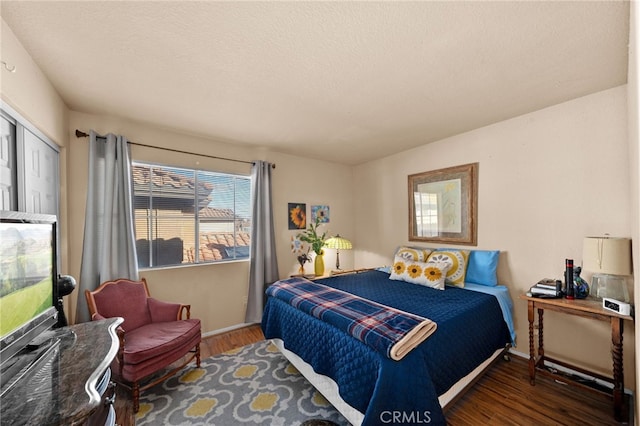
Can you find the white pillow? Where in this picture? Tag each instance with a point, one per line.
(414, 253)
(430, 274)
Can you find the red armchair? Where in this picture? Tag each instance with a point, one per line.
(153, 336)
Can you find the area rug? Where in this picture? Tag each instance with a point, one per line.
(253, 385)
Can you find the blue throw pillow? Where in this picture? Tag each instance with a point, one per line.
(482, 267)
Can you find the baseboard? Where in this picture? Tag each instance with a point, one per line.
(226, 329)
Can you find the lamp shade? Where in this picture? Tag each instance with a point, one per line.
(339, 243)
(604, 255)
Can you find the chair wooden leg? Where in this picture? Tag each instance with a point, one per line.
(135, 391)
(198, 355)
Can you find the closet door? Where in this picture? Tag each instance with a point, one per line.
(8, 195)
(39, 175)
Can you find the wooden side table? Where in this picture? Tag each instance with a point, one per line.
(586, 308)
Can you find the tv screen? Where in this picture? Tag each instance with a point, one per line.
(27, 280)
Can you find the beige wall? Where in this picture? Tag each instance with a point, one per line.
(31, 95)
(217, 292)
(29, 92)
(546, 180)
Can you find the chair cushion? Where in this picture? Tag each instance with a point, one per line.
(126, 299)
(157, 339)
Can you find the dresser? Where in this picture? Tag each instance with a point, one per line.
(71, 385)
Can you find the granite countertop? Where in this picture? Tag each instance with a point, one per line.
(61, 389)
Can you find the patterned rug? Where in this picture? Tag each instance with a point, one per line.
(252, 385)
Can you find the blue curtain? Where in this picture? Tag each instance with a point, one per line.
(264, 264)
(109, 249)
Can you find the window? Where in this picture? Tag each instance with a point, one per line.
(426, 207)
(185, 216)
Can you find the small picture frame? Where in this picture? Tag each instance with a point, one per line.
(297, 215)
(321, 212)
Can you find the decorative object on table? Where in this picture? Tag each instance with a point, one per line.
(65, 286)
(297, 215)
(580, 286)
(568, 279)
(610, 261)
(320, 212)
(299, 248)
(310, 235)
(443, 205)
(338, 243)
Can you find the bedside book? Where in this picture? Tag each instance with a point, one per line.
(547, 286)
(537, 290)
(549, 283)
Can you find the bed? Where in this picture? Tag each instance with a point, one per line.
(474, 326)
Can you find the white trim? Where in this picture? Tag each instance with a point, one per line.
(19, 118)
(226, 329)
(464, 382)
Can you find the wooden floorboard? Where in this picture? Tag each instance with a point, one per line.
(502, 397)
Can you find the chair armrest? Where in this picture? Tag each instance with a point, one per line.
(165, 311)
(97, 317)
(120, 356)
(187, 309)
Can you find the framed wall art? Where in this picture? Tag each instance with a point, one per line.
(297, 215)
(443, 205)
(320, 212)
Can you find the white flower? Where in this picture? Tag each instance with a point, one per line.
(297, 246)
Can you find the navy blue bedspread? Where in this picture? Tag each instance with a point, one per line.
(470, 328)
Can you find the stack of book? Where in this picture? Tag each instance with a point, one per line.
(546, 288)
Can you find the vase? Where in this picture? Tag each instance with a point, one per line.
(318, 265)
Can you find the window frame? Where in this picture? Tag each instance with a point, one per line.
(150, 217)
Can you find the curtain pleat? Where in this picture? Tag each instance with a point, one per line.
(264, 264)
(109, 249)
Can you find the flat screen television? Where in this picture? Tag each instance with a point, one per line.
(27, 287)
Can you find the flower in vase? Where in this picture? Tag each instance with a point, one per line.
(300, 248)
(311, 236)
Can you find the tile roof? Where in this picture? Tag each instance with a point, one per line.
(213, 213)
(168, 183)
(213, 245)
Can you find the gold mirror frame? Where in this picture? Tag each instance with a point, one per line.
(450, 197)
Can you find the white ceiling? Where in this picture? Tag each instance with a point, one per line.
(342, 81)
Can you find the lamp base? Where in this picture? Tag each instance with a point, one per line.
(609, 286)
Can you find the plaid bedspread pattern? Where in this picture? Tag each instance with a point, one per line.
(389, 331)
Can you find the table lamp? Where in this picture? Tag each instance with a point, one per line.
(338, 243)
(610, 260)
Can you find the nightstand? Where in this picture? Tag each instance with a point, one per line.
(586, 308)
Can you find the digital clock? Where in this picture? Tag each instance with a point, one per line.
(616, 306)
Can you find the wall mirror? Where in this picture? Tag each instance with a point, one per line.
(443, 205)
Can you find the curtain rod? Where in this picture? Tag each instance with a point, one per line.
(81, 134)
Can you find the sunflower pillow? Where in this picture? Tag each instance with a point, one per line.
(458, 260)
(430, 274)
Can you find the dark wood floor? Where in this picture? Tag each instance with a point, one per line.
(503, 396)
